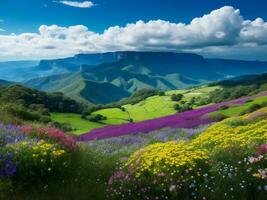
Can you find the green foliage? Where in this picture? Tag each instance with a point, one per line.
(96, 118)
(176, 97)
(230, 93)
(54, 102)
(140, 95)
(251, 109)
(238, 87)
(183, 107)
(19, 104)
(80, 175)
(19, 112)
(92, 108)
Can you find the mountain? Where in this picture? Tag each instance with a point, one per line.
(78, 87)
(107, 77)
(5, 83)
(74, 63)
(16, 70)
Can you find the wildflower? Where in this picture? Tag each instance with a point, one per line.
(172, 188)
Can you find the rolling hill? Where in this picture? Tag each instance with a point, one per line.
(150, 108)
(118, 74)
(188, 119)
(78, 87)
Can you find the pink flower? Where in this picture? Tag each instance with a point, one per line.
(262, 149)
(52, 134)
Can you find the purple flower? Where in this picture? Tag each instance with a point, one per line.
(188, 119)
(9, 135)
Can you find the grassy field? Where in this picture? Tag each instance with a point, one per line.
(81, 125)
(238, 109)
(152, 107)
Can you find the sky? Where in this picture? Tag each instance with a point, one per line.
(45, 29)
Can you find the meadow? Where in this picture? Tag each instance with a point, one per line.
(80, 125)
(223, 160)
(236, 110)
(150, 108)
(186, 155)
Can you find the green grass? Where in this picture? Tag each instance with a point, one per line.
(152, 107)
(81, 125)
(236, 110)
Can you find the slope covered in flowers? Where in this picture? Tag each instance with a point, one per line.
(227, 161)
(186, 119)
(25, 148)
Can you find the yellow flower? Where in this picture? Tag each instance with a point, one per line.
(58, 153)
(173, 157)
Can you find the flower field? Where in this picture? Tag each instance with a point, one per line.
(36, 148)
(183, 156)
(188, 119)
(227, 161)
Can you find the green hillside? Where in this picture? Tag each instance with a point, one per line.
(78, 87)
(237, 110)
(151, 107)
(79, 125)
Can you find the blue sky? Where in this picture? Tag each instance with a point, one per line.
(27, 15)
(90, 19)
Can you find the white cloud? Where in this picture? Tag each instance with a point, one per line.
(84, 4)
(2, 30)
(222, 33)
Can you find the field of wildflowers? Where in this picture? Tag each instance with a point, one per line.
(188, 119)
(45, 163)
(127, 144)
(29, 157)
(194, 158)
(226, 161)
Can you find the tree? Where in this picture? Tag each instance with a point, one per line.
(96, 118)
(176, 97)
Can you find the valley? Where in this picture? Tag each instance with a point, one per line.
(109, 126)
(133, 100)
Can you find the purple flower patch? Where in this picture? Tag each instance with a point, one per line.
(188, 119)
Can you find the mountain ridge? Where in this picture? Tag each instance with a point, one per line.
(129, 71)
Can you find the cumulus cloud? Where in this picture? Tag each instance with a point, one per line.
(2, 30)
(221, 33)
(84, 4)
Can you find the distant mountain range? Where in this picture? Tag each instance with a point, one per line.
(107, 77)
(5, 83)
(16, 70)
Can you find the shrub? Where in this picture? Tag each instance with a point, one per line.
(182, 107)
(176, 97)
(96, 118)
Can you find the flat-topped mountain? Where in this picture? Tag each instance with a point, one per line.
(126, 72)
